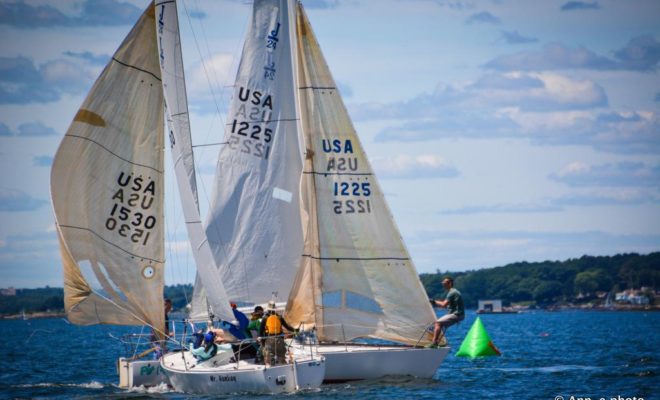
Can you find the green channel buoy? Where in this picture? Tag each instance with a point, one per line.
(477, 343)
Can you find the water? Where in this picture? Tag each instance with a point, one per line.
(580, 354)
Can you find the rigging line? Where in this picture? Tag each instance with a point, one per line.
(206, 74)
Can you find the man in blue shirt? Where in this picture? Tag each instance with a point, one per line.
(455, 311)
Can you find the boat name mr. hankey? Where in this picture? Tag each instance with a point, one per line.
(223, 378)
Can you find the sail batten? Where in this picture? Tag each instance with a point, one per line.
(356, 278)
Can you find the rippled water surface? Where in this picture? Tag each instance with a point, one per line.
(580, 354)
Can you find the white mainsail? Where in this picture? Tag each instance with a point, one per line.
(356, 278)
(174, 87)
(107, 191)
(254, 221)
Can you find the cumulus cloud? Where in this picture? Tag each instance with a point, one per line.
(21, 82)
(42, 161)
(12, 200)
(553, 56)
(492, 92)
(642, 53)
(609, 197)
(20, 14)
(414, 167)
(579, 174)
(513, 37)
(579, 5)
(35, 129)
(88, 56)
(483, 17)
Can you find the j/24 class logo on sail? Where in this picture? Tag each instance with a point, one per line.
(133, 198)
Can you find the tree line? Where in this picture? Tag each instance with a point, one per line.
(539, 283)
(551, 282)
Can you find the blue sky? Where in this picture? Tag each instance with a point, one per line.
(500, 130)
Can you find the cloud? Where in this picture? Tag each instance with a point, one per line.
(642, 53)
(609, 197)
(579, 174)
(4, 130)
(579, 5)
(553, 56)
(21, 82)
(12, 200)
(503, 209)
(94, 59)
(414, 167)
(526, 91)
(514, 37)
(92, 13)
(42, 161)
(483, 17)
(657, 97)
(35, 129)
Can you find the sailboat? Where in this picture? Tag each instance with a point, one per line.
(107, 191)
(310, 222)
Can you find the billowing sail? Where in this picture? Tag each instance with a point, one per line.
(178, 122)
(254, 224)
(356, 277)
(107, 191)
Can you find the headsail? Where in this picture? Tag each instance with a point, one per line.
(174, 88)
(356, 277)
(107, 191)
(254, 223)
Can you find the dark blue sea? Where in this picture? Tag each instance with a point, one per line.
(608, 355)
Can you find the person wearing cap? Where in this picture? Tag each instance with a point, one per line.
(255, 321)
(455, 312)
(271, 330)
(209, 348)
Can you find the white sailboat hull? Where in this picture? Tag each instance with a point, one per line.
(138, 373)
(188, 376)
(358, 362)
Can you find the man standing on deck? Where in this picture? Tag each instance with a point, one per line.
(455, 311)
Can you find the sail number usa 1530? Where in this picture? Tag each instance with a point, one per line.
(128, 216)
(351, 191)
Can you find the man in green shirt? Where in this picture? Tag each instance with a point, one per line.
(455, 311)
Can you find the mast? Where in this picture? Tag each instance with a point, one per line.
(176, 105)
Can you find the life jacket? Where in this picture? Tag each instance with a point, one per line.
(273, 325)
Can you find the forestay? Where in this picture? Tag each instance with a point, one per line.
(356, 277)
(178, 122)
(107, 191)
(254, 223)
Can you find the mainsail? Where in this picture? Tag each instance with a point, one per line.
(254, 221)
(178, 122)
(356, 278)
(107, 191)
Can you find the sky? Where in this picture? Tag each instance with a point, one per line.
(500, 131)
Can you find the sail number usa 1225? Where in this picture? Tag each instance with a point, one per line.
(351, 191)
